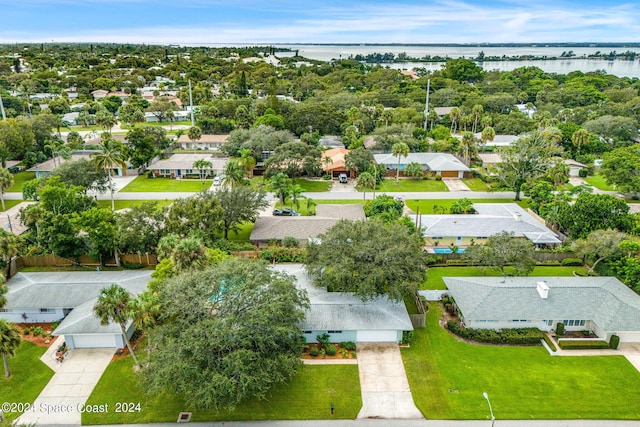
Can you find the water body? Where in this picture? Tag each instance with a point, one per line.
(617, 67)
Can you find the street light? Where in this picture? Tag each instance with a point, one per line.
(493, 419)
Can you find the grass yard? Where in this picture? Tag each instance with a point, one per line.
(28, 376)
(522, 382)
(408, 185)
(19, 179)
(435, 274)
(427, 206)
(313, 186)
(599, 182)
(124, 204)
(243, 234)
(476, 184)
(144, 184)
(308, 397)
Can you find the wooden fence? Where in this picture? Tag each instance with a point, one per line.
(419, 320)
(82, 260)
(538, 256)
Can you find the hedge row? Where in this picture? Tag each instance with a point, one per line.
(582, 345)
(518, 336)
(549, 342)
(279, 254)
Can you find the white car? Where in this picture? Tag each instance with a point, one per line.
(216, 180)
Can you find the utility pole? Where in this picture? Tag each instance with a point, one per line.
(191, 104)
(426, 106)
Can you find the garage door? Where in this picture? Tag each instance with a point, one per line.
(377, 336)
(95, 341)
(633, 337)
(449, 174)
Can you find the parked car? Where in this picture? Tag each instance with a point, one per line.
(343, 178)
(285, 212)
(216, 180)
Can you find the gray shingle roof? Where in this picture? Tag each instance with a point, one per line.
(345, 311)
(81, 320)
(491, 219)
(605, 300)
(433, 161)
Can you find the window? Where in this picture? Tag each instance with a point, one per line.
(308, 332)
(334, 332)
(189, 171)
(165, 172)
(549, 322)
(47, 310)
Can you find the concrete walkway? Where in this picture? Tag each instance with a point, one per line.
(383, 383)
(62, 399)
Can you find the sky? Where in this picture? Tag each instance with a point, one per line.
(319, 21)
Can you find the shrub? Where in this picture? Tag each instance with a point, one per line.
(407, 336)
(518, 336)
(614, 341)
(331, 350)
(349, 345)
(438, 177)
(431, 260)
(314, 351)
(327, 177)
(577, 262)
(582, 344)
(549, 342)
(560, 329)
(134, 266)
(344, 352)
(582, 173)
(290, 242)
(25, 331)
(37, 331)
(323, 340)
(283, 254)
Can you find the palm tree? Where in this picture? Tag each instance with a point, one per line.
(203, 167)
(399, 149)
(467, 146)
(365, 180)
(233, 173)
(579, 138)
(487, 135)
(9, 247)
(6, 181)
(3, 292)
(194, 134)
(432, 117)
(146, 313)
(454, 116)
(296, 194)
(9, 343)
(114, 305)
(248, 161)
(110, 156)
(476, 112)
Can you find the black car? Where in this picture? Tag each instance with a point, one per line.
(285, 212)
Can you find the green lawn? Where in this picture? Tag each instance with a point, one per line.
(124, 204)
(313, 186)
(308, 397)
(243, 234)
(19, 179)
(427, 206)
(408, 185)
(599, 182)
(435, 274)
(522, 382)
(8, 204)
(28, 376)
(476, 184)
(144, 184)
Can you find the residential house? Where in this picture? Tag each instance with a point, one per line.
(206, 142)
(53, 296)
(574, 167)
(603, 305)
(71, 118)
(337, 164)
(444, 164)
(443, 111)
(500, 140)
(490, 219)
(45, 168)
(99, 94)
(181, 166)
(268, 228)
(344, 316)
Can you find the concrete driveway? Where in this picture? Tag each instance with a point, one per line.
(383, 382)
(61, 401)
(455, 184)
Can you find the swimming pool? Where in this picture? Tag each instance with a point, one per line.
(447, 250)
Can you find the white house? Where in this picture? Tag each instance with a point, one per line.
(346, 317)
(52, 296)
(603, 305)
(181, 166)
(444, 164)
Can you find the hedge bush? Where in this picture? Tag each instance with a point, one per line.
(279, 254)
(549, 342)
(349, 345)
(582, 173)
(314, 351)
(614, 341)
(560, 329)
(577, 262)
(582, 344)
(517, 336)
(331, 350)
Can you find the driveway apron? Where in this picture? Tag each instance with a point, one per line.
(62, 399)
(383, 382)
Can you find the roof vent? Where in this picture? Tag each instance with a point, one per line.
(517, 216)
(543, 290)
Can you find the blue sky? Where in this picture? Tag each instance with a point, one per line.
(315, 21)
